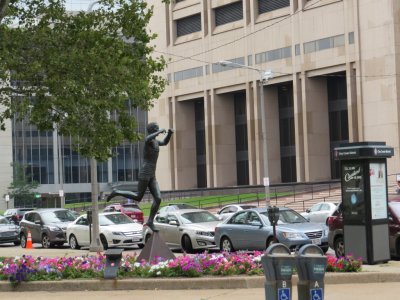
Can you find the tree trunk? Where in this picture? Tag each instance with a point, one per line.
(3, 8)
(95, 245)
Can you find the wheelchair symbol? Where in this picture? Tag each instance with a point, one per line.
(284, 294)
(316, 294)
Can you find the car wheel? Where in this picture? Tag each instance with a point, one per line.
(339, 246)
(17, 243)
(23, 240)
(271, 241)
(46, 241)
(226, 245)
(141, 246)
(73, 242)
(187, 244)
(104, 242)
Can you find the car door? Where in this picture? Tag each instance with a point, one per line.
(81, 231)
(314, 212)
(235, 230)
(172, 230)
(254, 239)
(35, 226)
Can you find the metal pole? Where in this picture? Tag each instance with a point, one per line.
(265, 144)
(60, 170)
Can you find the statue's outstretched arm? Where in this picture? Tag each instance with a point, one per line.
(167, 138)
(152, 136)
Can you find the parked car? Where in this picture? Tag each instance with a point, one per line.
(132, 210)
(47, 226)
(251, 230)
(187, 229)
(175, 206)
(15, 214)
(336, 235)
(319, 212)
(9, 232)
(116, 229)
(230, 209)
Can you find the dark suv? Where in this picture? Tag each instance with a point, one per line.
(336, 237)
(47, 226)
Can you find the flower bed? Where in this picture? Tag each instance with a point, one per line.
(28, 268)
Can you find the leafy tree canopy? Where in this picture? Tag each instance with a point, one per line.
(76, 70)
(22, 186)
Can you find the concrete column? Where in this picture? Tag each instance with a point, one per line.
(224, 150)
(273, 139)
(251, 105)
(298, 127)
(316, 129)
(185, 145)
(208, 100)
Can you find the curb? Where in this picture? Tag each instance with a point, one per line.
(237, 282)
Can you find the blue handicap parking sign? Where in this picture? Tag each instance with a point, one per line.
(284, 294)
(316, 294)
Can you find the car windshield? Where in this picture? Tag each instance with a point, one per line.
(58, 216)
(288, 217)
(4, 221)
(114, 219)
(198, 217)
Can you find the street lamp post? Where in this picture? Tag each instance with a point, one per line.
(264, 77)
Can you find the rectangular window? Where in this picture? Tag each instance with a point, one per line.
(188, 25)
(189, 73)
(275, 54)
(265, 6)
(229, 13)
(297, 49)
(220, 68)
(351, 37)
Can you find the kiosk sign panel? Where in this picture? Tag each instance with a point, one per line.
(377, 179)
(353, 191)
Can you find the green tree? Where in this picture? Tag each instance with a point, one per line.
(79, 72)
(22, 186)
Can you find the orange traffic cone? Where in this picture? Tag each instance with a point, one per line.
(29, 241)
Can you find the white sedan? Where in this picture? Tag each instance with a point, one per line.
(116, 229)
(319, 212)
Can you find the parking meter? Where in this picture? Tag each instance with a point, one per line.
(311, 265)
(113, 260)
(278, 266)
(273, 216)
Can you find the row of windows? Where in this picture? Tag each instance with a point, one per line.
(226, 14)
(271, 55)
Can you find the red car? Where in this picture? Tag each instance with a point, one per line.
(336, 237)
(132, 210)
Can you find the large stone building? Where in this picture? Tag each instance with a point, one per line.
(335, 66)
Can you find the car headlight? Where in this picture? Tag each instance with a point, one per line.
(117, 233)
(292, 235)
(205, 233)
(54, 228)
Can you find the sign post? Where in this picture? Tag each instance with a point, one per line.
(7, 199)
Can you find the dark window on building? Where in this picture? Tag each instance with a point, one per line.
(242, 156)
(287, 134)
(265, 6)
(188, 25)
(229, 13)
(338, 117)
(200, 144)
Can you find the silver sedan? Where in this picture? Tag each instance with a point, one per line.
(187, 229)
(252, 230)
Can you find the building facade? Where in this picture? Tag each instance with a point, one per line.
(335, 67)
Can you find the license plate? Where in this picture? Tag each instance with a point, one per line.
(316, 241)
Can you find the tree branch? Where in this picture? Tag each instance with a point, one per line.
(3, 8)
